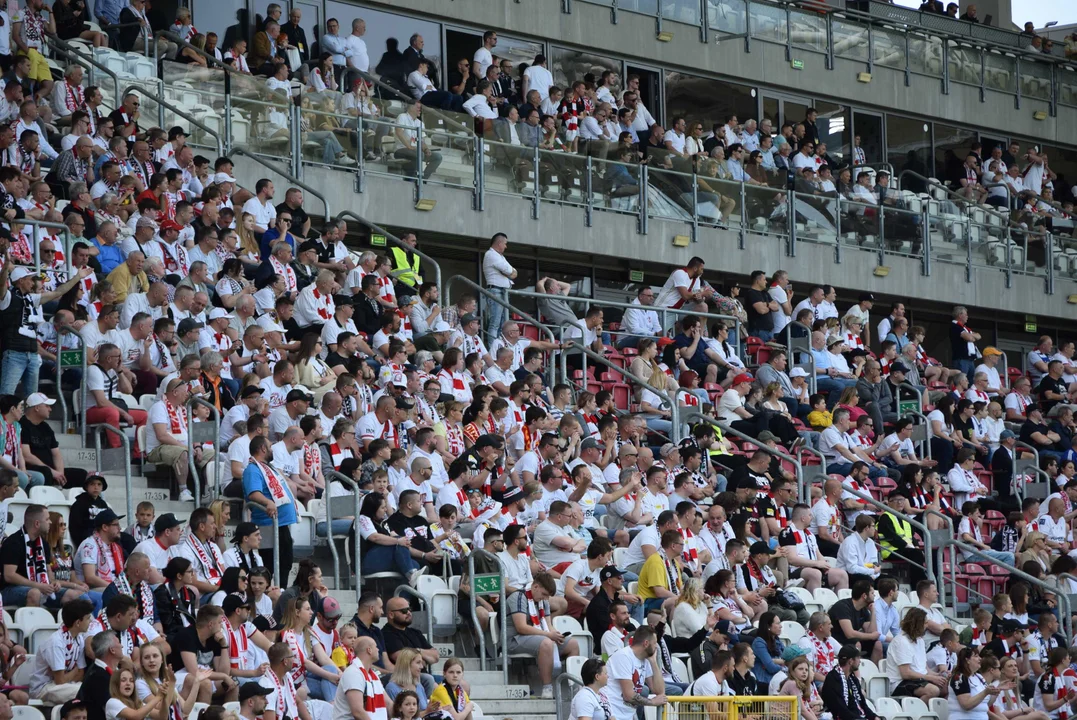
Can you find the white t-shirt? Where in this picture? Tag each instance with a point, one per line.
(159, 415)
(264, 215)
(587, 581)
(730, 401)
(648, 536)
(588, 703)
(539, 78)
(483, 57)
(52, 656)
(546, 553)
(707, 686)
(518, 571)
(825, 516)
(367, 684)
(669, 296)
(903, 651)
(624, 665)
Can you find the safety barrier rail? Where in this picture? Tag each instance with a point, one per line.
(272, 541)
(338, 506)
(126, 442)
(431, 262)
(89, 63)
(215, 489)
(62, 332)
(743, 707)
(287, 175)
(502, 611)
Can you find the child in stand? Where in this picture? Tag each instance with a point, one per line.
(942, 655)
(398, 467)
(1002, 605)
(819, 418)
(379, 452)
(344, 653)
(142, 528)
(86, 507)
(406, 706)
(258, 590)
(980, 633)
(444, 535)
(380, 484)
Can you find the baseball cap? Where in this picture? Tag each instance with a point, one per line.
(760, 548)
(440, 326)
(146, 222)
(1006, 435)
(898, 367)
(250, 390)
(106, 517)
(835, 341)
(866, 296)
(991, 350)
(798, 372)
(36, 399)
(99, 478)
(403, 403)
(19, 273)
(511, 496)
(165, 522)
(297, 394)
(175, 131)
(609, 572)
(232, 603)
(252, 689)
(469, 317)
(308, 246)
(243, 530)
(591, 444)
(666, 450)
(217, 313)
(489, 440)
(170, 224)
(767, 436)
(1011, 626)
(663, 342)
(341, 300)
(847, 653)
(331, 608)
(77, 704)
(186, 325)
(742, 378)
(223, 178)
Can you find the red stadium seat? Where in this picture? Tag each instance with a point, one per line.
(622, 396)
(529, 331)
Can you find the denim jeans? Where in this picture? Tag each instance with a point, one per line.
(388, 558)
(340, 527)
(1006, 557)
(30, 479)
(658, 424)
(320, 688)
(19, 366)
(495, 313)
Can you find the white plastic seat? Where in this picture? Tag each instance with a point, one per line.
(620, 557)
(440, 601)
(26, 712)
(24, 673)
(941, 708)
(679, 667)
(917, 709)
(793, 631)
(845, 593)
(146, 401)
(574, 665)
(37, 625)
(567, 624)
(889, 708)
(48, 495)
(825, 597)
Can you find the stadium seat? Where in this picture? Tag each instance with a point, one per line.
(441, 604)
(792, 632)
(26, 712)
(941, 708)
(825, 597)
(917, 709)
(890, 709)
(48, 495)
(37, 625)
(567, 624)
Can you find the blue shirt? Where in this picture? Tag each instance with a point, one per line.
(392, 690)
(765, 668)
(269, 237)
(697, 362)
(255, 481)
(109, 10)
(822, 361)
(109, 257)
(886, 617)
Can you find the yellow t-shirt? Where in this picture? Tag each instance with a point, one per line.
(820, 419)
(340, 657)
(652, 575)
(442, 696)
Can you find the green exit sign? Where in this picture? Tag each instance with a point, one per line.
(908, 406)
(635, 276)
(797, 64)
(1030, 324)
(486, 584)
(71, 358)
(377, 240)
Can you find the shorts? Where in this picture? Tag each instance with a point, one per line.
(39, 67)
(15, 596)
(908, 688)
(526, 644)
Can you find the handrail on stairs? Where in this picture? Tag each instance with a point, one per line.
(390, 237)
(216, 415)
(287, 175)
(502, 612)
(162, 103)
(330, 476)
(275, 539)
(126, 456)
(86, 61)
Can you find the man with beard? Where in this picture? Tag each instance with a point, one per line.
(629, 670)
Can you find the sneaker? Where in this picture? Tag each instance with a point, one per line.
(186, 496)
(413, 578)
(547, 692)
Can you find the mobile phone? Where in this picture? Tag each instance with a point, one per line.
(566, 634)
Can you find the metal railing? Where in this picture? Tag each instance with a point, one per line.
(163, 105)
(801, 345)
(126, 457)
(331, 505)
(271, 542)
(925, 534)
(1021, 467)
(183, 44)
(923, 427)
(401, 244)
(502, 615)
(83, 350)
(287, 175)
(216, 415)
(89, 63)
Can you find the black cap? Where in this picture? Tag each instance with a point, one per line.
(75, 704)
(342, 300)
(898, 367)
(165, 522)
(106, 517)
(175, 131)
(760, 548)
(512, 495)
(94, 476)
(232, 603)
(403, 403)
(489, 440)
(1010, 626)
(609, 572)
(298, 394)
(866, 296)
(848, 652)
(252, 689)
(308, 246)
(243, 530)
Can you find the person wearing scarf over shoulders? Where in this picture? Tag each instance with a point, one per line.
(841, 692)
(61, 661)
(271, 497)
(133, 582)
(360, 693)
(99, 559)
(202, 551)
(660, 580)
(281, 703)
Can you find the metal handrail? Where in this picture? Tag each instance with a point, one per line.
(502, 612)
(282, 582)
(925, 534)
(1019, 488)
(331, 475)
(788, 330)
(399, 243)
(60, 333)
(85, 61)
(126, 457)
(287, 176)
(925, 445)
(162, 103)
(216, 415)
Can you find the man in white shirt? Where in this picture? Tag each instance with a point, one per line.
(409, 128)
(355, 52)
(857, 554)
(630, 670)
(483, 58)
(479, 104)
(498, 275)
(261, 207)
(538, 78)
(638, 322)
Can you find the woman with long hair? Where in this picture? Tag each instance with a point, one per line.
(690, 612)
(311, 663)
(307, 584)
(969, 695)
(382, 550)
(1009, 702)
(910, 643)
(655, 408)
(768, 649)
(155, 677)
(945, 441)
(452, 429)
(406, 706)
(322, 75)
(407, 675)
(310, 370)
(924, 490)
(222, 513)
(477, 419)
(101, 294)
(799, 684)
(248, 252)
(233, 581)
(62, 563)
(645, 364)
(231, 285)
(722, 589)
(72, 302)
(125, 703)
(1034, 549)
(450, 695)
(1019, 593)
(850, 400)
(175, 598)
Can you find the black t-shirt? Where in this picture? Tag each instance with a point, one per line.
(40, 438)
(428, 342)
(757, 321)
(415, 528)
(1048, 383)
(960, 684)
(959, 345)
(13, 552)
(963, 427)
(397, 640)
(299, 219)
(1028, 428)
(744, 476)
(845, 610)
(186, 640)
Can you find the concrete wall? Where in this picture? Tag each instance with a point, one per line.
(588, 26)
(391, 201)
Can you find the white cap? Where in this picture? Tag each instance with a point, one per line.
(218, 313)
(36, 399)
(440, 326)
(273, 327)
(798, 372)
(223, 178)
(19, 273)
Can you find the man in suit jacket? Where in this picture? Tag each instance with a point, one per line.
(841, 693)
(94, 692)
(1002, 466)
(506, 129)
(297, 36)
(414, 53)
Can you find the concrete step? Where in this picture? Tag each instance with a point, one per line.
(518, 707)
(484, 693)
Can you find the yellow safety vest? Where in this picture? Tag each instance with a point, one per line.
(904, 529)
(412, 278)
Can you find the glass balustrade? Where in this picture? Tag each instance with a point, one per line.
(850, 40)
(925, 54)
(1067, 86)
(888, 48)
(727, 16)
(768, 22)
(808, 30)
(1000, 72)
(1035, 79)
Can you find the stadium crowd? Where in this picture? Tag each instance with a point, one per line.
(324, 362)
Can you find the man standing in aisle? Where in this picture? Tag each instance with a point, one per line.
(499, 275)
(271, 498)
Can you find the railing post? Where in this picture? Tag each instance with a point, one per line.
(704, 22)
(1049, 241)
(228, 131)
(589, 208)
(967, 233)
(742, 236)
(360, 159)
(537, 194)
(695, 207)
(925, 241)
(829, 41)
(419, 163)
(643, 217)
(791, 216)
(480, 173)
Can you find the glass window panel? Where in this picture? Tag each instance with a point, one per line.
(908, 147)
(870, 129)
(952, 145)
(889, 49)
(1035, 80)
(999, 72)
(809, 30)
(380, 26)
(310, 19)
(833, 124)
(727, 15)
(1063, 161)
(925, 55)
(569, 65)
(770, 112)
(707, 100)
(850, 40)
(965, 65)
(1067, 85)
(683, 11)
(647, 7)
(768, 22)
(229, 23)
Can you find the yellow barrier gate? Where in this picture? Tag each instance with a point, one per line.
(745, 707)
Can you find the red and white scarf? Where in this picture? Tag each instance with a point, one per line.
(290, 283)
(977, 638)
(1060, 694)
(177, 420)
(74, 98)
(454, 437)
(537, 612)
(109, 559)
(37, 568)
(281, 706)
(299, 670)
(237, 645)
(375, 701)
(144, 597)
(690, 554)
(71, 648)
(130, 639)
(338, 456)
(213, 567)
(273, 483)
(823, 659)
(311, 459)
